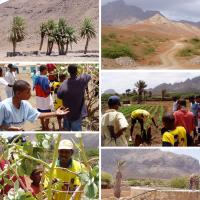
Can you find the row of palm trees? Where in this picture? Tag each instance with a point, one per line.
(61, 33)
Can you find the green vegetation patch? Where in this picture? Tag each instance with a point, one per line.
(116, 51)
(193, 48)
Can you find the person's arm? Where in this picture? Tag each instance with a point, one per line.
(59, 112)
(11, 128)
(154, 122)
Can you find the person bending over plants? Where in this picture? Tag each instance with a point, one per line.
(16, 110)
(141, 116)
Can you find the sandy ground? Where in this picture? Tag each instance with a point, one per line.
(71, 57)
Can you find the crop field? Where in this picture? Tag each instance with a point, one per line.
(155, 110)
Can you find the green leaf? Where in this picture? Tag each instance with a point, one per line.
(91, 190)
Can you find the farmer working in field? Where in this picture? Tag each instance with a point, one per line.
(114, 124)
(141, 116)
(66, 181)
(185, 118)
(15, 111)
(171, 135)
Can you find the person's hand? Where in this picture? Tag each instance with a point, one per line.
(62, 111)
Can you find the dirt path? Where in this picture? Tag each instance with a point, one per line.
(168, 57)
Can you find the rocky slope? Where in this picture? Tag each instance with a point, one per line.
(35, 12)
(149, 163)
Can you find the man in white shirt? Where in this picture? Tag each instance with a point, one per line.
(10, 77)
(2, 80)
(113, 124)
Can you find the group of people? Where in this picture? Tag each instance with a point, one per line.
(67, 179)
(70, 103)
(179, 127)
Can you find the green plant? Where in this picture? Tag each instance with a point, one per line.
(87, 31)
(179, 182)
(22, 159)
(17, 32)
(116, 51)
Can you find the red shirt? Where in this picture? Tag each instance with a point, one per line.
(51, 68)
(184, 118)
(35, 189)
(7, 187)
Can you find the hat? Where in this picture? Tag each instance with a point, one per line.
(65, 144)
(114, 100)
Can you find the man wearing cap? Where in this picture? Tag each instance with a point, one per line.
(64, 180)
(10, 78)
(114, 124)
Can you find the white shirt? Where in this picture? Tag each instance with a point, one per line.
(118, 121)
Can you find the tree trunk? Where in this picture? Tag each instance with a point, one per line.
(67, 46)
(86, 45)
(14, 48)
(117, 186)
(41, 43)
(62, 49)
(139, 97)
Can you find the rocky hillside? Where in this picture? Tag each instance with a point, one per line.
(149, 163)
(118, 12)
(189, 85)
(35, 12)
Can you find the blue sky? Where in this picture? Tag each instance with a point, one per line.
(173, 9)
(122, 80)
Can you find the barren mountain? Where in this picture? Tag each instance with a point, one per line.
(188, 86)
(35, 12)
(161, 25)
(149, 163)
(118, 12)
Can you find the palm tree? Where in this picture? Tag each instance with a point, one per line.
(17, 32)
(71, 38)
(140, 85)
(87, 31)
(64, 36)
(51, 26)
(43, 32)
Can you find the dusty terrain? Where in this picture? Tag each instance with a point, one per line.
(35, 12)
(155, 43)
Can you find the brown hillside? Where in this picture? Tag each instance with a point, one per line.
(35, 12)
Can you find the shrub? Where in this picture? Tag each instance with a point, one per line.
(179, 182)
(116, 51)
(187, 52)
(149, 50)
(112, 35)
(106, 178)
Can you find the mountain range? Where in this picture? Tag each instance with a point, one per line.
(122, 12)
(187, 86)
(142, 163)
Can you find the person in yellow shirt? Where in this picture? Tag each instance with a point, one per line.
(172, 136)
(141, 116)
(65, 178)
(58, 102)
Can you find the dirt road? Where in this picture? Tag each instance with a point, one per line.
(168, 57)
